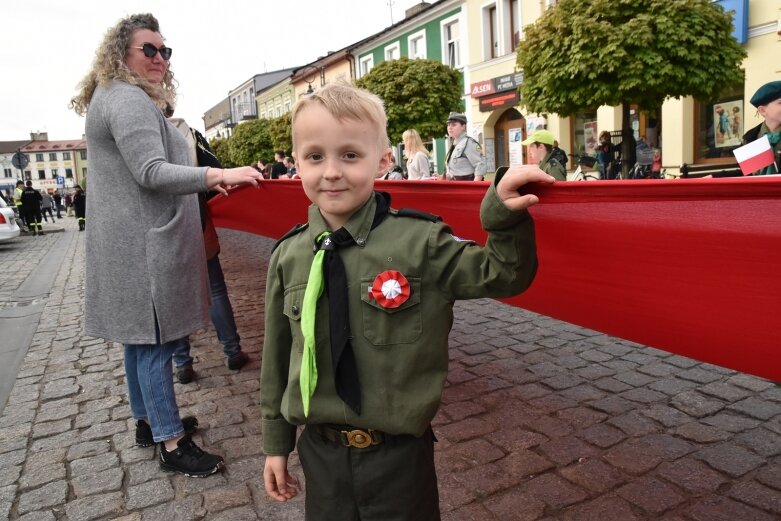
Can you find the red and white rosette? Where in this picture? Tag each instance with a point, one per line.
(390, 289)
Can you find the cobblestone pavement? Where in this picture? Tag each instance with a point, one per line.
(541, 420)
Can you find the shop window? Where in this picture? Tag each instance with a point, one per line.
(719, 126)
(585, 135)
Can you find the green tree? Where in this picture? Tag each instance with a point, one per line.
(280, 131)
(221, 149)
(250, 141)
(418, 94)
(580, 55)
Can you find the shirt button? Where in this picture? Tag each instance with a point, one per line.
(360, 241)
(295, 310)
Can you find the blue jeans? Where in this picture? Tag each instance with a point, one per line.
(150, 387)
(222, 318)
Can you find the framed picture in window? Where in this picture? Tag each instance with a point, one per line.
(727, 123)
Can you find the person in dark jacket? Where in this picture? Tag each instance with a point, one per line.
(31, 206)
(80, 207)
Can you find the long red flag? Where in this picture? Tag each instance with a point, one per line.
(688, 266)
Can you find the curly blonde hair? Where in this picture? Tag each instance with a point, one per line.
(109, 64)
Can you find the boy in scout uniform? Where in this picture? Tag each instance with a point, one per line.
(540, 153)
(359, 304)
(464, 160)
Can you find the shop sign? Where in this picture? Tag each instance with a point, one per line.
(482, 88)
(509, 82)
(499, 101)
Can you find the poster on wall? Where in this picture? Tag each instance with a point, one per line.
(727, 123)
(488, 152)
(590, 137)
(515, 147)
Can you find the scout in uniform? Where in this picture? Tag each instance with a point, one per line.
(464, 160)
(540, 153)
(359, 304)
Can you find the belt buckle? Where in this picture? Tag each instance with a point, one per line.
(359, 439)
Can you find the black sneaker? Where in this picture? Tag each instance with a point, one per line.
(237, 362)
(189, 459)
(144, 431)
(185, 374)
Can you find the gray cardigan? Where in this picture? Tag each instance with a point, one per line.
(145, 262)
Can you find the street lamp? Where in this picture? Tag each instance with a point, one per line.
(310, 78)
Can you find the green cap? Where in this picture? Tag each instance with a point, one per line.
(767, 93)
(540, 136)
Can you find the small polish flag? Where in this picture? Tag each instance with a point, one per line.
(757, 154)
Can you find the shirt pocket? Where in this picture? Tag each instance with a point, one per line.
(293, 306)
(387, 326)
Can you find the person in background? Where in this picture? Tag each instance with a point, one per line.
(260, 166)
(31, 206)
(540, 151)
(605, 154)
(656, 165)
(417, 155)
(278, 168)
(290, 164)
(57, 202)
(18, 190)
(394, 172)
(146, 283)
(68, 204)
(359, 304)
(47, 201)
(80, 207)
(221, 309)
(559, 155)
(464, 159)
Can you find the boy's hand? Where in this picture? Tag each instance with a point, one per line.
(280, 485)
(516, 177)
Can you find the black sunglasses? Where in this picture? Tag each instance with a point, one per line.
(150, 51)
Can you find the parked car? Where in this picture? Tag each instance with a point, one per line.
(8, 228)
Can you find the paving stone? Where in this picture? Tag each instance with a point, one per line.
(564, 451)
(594, 475)
(103, 430)
(672, 386)
(186, 509)
(552, 403)
(460, 410)
(604, 508)
(512, 439)
(87, 449)
(38, 516)
(594, 372)
(14, 457)
(148, 494)
(633, 424)
(237, 514)
(104, 481)
(91, 418)
(509, 471)
(723, 509)
(60, 388)
(644, 396)
(40, 475)
(754, 494)
(7, 495)
(64, 439)
(696, 404)
(510, 505)
(94, 464)
(634, 378)
(41, 430)
(724, 391)
(751, 383)
(730, 458)
(757, 408)
(602, 435)
(770, 475)
(762, 441)
(699, 375)
(731, 422)
(581, 393)
(691, 475)
(700, 433)
(630, 458)
(581, 417)
(94, 507)
(10, 475)
(667, 416)
(651, 495)
(613, 405)
(466, 429)
(554, 491)
(223, 498)
(44, 497)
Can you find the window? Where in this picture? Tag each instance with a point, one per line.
(53, 156)
(83, 154)
(417, 45)
(450, 43)
(719, 126)
(66, 156)
(491, 28)
(7, 172)
(83, 172)
(516, 31)
(27, 175)
(584, 132)
(392, 52)
(39, 157)
(54, 173)
(69, 173)
(41, 174)
(366, 65)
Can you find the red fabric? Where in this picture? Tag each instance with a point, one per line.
(689, 266)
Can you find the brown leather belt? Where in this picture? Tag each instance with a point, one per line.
(349, 436)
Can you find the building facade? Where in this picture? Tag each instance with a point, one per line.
(55, 164)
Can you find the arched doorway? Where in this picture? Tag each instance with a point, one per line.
(510, 130)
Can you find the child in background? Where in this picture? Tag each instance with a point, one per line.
(359, 304)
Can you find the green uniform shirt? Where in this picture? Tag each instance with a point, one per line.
(402, 353)
(551, 166)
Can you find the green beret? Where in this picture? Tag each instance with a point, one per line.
(766, 93)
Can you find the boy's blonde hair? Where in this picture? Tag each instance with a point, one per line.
(345, 101)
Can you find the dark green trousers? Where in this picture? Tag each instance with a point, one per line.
(392, 481)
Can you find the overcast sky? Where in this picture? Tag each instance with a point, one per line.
(47, 46)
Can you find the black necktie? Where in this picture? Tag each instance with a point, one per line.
(348, 385)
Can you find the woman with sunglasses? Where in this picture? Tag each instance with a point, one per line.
(146, 283)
